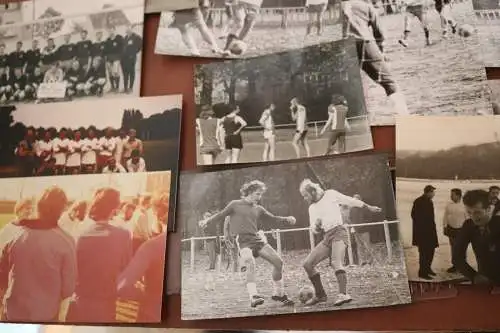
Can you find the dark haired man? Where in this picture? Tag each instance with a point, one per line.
(453, 220)
(482, 232)
(494, 191)
(424, 231)
(83, 49)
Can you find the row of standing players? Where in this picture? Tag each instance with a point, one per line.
(85, 65)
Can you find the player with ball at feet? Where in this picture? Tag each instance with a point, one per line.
(245, 214)
(325, 215)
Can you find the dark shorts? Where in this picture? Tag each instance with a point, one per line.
(302, 135)
(252, 242)
(316, 8)
(416, 10)
(338, 233)
(439, 4)
(233, 142)
(373, 63)
(185, 17)
(334, 135)
(215, 241)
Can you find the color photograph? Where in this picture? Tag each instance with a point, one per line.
(447, 191)
(289, 105)
(296, 237)
(53, 50)
(54, 228)
(488, 28)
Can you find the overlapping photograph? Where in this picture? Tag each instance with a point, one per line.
(54, 50)
(84, 249)
(487, 25)
(296, 237)
(295, 104)
(127, 135)
(448, 198)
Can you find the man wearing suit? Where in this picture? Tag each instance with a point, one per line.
(132, 45)
(494, 192)
(424, 231)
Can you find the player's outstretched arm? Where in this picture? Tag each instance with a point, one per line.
(327, 124)
(227, 211)
(280, 219)
(353, 202)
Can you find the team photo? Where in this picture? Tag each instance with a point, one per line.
(488, 29)
(294, 104)
(54, 228)
(447, 192)
(59, 51)
(295, 237)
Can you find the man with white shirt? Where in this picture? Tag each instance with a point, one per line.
(60, 149)
(454, 217)
(325, 215)
(266, 121)
(316, 10)
(113, 167)
(90, 147)
(299, 115)
(107, 145)
(136, 163)
(120, 142)
(132, 143)
(337, 124)
(74, 160)
(245, 16)
(44, 150)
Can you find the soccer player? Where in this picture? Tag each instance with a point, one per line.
(96, 78)
(98, 49)
(71, 220)
(299, 115)
(208, 128)
(113, 50)
(107, 146)
(16, 59)
(233, 124)
(44, 151)
(453, 219)
(131, 144)
(60, 147)
(66, 53)
(25, 153)
(74, 160)
(136, 163)
(18, 84)
(33, 82)
(49, 55)
(230, 22)
(316, 10)
(211, 230)
(120, 142)
(420, 10)
(96, 292)
(90, 148)
(443, 7)
(482, 232)
(244, 216)
(38, 267)
(54, 74)
(245, 16)
(33, 58)
(267, 121)
(325, 215)
(75, 80)
(5, 87)
(337, 124)
(132, 46)
(361, 21)
(4, 58)
(82, 51)
(113, 167)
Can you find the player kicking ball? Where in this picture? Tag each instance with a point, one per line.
(245, 13)
(443, 7)
(325, 215)
(244, 215)
(420, 10)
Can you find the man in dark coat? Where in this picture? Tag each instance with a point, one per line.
(424, 231)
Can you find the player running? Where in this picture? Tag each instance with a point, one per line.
(208, 128)
(325, 215)
(244, 215)
(420, 10)
(299, 115)
(266, 120)
(245, 15)
(443, 7)
(316, 10)
(361, 21)
(337, 124)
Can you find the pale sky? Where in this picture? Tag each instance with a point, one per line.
(19, 328)
(100, 113)
(432, 133)
(70, 7)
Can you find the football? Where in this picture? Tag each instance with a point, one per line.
(466, 30)
(305, 294)
(238, 47)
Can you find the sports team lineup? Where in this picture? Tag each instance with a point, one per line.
(243, 233)
(89, 60)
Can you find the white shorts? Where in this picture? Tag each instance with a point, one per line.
(268, 134)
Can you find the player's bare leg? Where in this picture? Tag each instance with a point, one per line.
(447, 20)
(307, 148)
(317, 255)
(248, 24)
(269, 254)
(248, 262)
(310, 23)
(342, 144)
(188, 40)
(205, 32)
(319, 22)
(272, 147)
(265, 153)
(229, 156)
(208, 159)
(235, 155)
(338, 255)
(295, 144)
(407, 30)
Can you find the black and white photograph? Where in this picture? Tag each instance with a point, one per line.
(121, 135)
(294, 104)
(296, 237)
(52, 50)
(157, 6)
(447, 190)
(488, 29)
(495, 95)
(99, 241)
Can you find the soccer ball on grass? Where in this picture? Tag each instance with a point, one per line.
(305, 294)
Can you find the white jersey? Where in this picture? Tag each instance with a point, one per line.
(42, 148)
(301, 118)
(58, 146)
(139, 167)
(108, 146)
(267, 120)
(141, 225)
(316, 2)
(74, 153)
(118, 169)
(119, 147)
(328, 209)
(89, 147)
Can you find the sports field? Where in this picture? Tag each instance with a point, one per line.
(407, 190)
(489, 34)
(382, 284)
(253, 143)
(444, 78)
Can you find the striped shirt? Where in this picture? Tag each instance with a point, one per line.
(339, 117)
